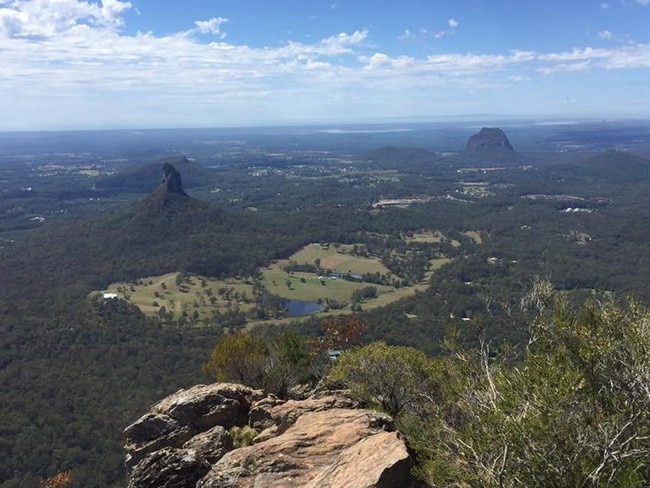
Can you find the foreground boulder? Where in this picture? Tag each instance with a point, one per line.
(169, 468)
(188, 416)
(325, 440)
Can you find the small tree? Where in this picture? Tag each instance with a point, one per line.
(394, 377)
(241, 358)
(290, 362)
(274, 365)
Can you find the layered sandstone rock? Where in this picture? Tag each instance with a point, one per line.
(325, 440)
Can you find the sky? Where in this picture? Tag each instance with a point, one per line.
(73, 64)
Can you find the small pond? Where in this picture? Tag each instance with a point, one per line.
(297, 308)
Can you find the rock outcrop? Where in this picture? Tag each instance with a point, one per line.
(489, 138)
(325, 440)
(187, 416)
(171, 180)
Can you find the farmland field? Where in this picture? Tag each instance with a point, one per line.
(198, 298)
(185, 293)
(337, 258)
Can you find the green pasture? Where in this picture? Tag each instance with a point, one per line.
(426, 236)
(335, 258)
(192, 294)
(307, 287)
(198, 297)
(430, 236)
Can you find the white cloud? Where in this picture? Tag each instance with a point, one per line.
(383, 61)
(406, 35)
(339, 44)
(626, 57)
(426, 34)
(212, 26)
(643, 2)
(422, 34)
(607, 35)
(57, 55)
(46, 18)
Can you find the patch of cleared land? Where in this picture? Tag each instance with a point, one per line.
(426, 236)
(197, 297)
(400, 202)
(335, 258)
(476, 189)
(191, 294)
(474, 235)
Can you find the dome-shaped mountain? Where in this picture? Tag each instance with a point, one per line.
(489, 146)
(489, 138)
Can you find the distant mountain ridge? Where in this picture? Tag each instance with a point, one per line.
(611, 166)
(489, 145)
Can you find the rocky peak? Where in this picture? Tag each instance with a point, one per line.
(489, 138)
(323, 440)
(171, 180)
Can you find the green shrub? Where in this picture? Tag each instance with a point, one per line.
(395, 378)
(242, 436)
(274, 364)
(240, 358)
(574, 413)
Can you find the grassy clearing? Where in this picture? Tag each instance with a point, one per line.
(430, 236)
(307, 287)
(335, 258)
(197, 297)
(192, 294)
(474, 235)
(426, 236)
(479, 189)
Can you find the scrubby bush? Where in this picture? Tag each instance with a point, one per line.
(241, 358)
(274, 364)
(572, 411)
(291, 362)
(575, 412)
(395, 378)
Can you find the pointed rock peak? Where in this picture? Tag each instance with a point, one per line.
(489, 138)
(171, 180)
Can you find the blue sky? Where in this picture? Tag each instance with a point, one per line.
(209, 63)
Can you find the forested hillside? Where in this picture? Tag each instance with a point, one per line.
(76, 369)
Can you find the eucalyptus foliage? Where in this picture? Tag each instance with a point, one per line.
(573, 411)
